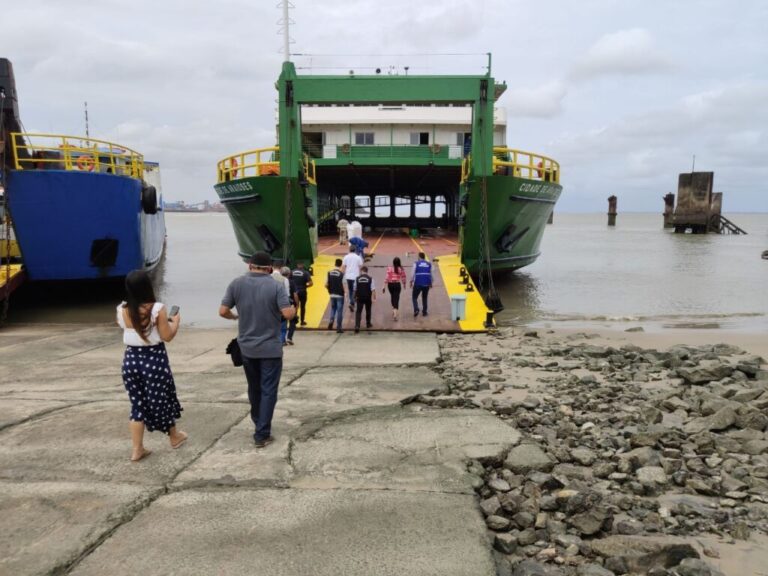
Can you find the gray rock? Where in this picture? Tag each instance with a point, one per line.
(583, 456)
(533, 568)
(593, 570)
(640, 554)
(499, 485)
(491, 506)
(696, 567)
(527, 457)
(505, 543)
(591, 521)
(629, 526)
(752, 419)
(755, 447)
(497, 522)
(524, 519)
(527, 537)
(651, 475)
(720, 420)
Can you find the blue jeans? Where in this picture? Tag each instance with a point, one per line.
(283, 329)
(424, 291)
(351, 292)
(337, 311)
(263, 375)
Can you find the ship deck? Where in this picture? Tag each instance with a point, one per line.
(441, 249)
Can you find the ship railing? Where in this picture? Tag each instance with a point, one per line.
(258, 162)
(466, 167)
(309, 169)
(397, 151)
(76, 153)
(522, 164)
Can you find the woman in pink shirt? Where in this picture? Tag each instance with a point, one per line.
(395, 282)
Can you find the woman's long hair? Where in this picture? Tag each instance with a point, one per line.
(397, 266)
(138, 287)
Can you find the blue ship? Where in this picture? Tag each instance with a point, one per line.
(84, 208)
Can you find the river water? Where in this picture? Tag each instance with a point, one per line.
(589, 275)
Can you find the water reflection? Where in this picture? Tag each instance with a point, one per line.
(520, 293)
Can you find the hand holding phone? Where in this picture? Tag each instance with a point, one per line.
(174, 311)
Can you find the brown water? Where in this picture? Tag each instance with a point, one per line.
(588, 275)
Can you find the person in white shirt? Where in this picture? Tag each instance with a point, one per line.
(351, 267)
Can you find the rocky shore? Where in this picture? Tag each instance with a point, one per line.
(630, 456)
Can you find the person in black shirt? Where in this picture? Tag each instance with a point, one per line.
(302, 280)
(335, 285)
(294, 298)
(365, 294)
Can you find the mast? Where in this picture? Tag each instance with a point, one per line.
(285, 29)
(87, 133)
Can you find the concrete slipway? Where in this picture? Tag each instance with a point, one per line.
(356, 483)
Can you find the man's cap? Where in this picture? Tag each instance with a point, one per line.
(261, 259)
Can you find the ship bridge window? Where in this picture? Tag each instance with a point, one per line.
(364, 138)
(362, 207)
(402, 206)
(419, 138)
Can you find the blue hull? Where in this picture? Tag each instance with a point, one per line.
(81, 225)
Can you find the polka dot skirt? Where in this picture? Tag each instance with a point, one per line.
(148, 379)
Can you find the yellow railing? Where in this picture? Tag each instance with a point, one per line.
(466, 165)
(57, 152)
(259, 162)
(525, 165)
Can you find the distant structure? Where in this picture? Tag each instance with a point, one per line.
(612, 211)
(698, 209)
(669, 209)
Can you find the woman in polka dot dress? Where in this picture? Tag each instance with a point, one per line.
(146, 373)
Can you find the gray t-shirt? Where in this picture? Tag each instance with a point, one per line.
(258, 299)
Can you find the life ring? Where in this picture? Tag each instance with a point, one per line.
(86, 163)
(233, 168)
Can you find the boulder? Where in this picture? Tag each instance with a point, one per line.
(528, 457)
(720, 420)
(640, 554)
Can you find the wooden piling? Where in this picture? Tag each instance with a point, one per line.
(612, 211)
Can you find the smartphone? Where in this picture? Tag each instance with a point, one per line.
(174, 311)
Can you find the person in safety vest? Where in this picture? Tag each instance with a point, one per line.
(365, 294)
(302, 280)
(421, 282)
(335, 285)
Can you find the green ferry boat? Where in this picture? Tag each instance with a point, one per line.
(411, 154)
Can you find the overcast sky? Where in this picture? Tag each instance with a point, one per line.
(621, 92)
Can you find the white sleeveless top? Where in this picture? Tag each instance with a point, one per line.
(133, 338)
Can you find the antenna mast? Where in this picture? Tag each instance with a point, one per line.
(285, 28)
(87, 134)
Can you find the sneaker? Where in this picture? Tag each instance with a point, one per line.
(330, 325)
(265, 442)
(289, 342)
(339, 331)
(357, 330)
(369, 326)
(415, 313)
(303, 324)
(424, 314)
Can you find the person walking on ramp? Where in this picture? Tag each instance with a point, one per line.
(261, 305)
(351, 268)
(365, 293)
(146, 373)
(421, 282)
(301, 280)
(334, 283)
(395, 282)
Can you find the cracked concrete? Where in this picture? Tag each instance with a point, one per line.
(355, 483)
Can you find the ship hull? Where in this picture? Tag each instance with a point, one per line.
(518, 210)
(81, 225)
(272, 214)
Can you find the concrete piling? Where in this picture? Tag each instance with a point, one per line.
(669, 208)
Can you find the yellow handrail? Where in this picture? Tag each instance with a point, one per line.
(525, 165)
(466, 166)
(59, 152)
(309, 170)
(250, 163)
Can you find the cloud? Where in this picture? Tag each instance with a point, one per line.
(545, 101)
(626, 52)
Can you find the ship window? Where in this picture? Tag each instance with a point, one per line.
(462, 137)
(362, 207)
(402, 206)
(364, 138)
(382, 207)
(440, 207)
(419, 138)
(422, 206)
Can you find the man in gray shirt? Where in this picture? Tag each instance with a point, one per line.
(261, 304)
